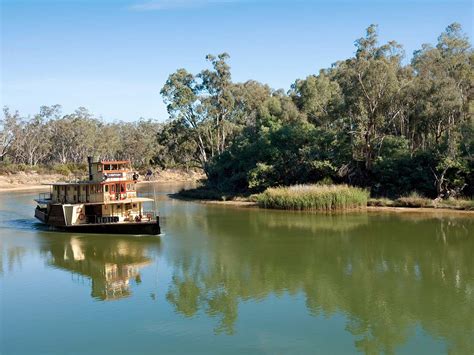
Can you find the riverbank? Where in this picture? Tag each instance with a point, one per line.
(412, 203)
(35, 181)
(243, 203)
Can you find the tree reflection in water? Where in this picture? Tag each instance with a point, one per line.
(110, 262)
(387, 274)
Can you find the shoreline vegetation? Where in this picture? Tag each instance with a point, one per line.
(313, 198)
(325, 198)
(402, 130)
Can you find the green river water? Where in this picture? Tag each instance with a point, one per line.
(226, 280)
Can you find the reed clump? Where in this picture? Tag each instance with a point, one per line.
(313, 197)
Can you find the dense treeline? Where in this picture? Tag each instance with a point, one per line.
(51, 137)
(371, 120)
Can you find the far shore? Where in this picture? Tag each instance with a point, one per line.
(34, 181)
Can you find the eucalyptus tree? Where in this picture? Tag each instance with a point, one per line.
(176, 147)
(204, 104)
(9, 125)
(137, 141)
(370, 84)
(443, 86)
(73, 136)
(318, 97)
(249, 98)
(218, 100)
(32, 144)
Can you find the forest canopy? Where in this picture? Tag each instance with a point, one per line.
(376, 120)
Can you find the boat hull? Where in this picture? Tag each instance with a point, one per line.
(149, 228)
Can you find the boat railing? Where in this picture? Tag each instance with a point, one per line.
(86, 198)
(148, 216)
(93, 219)
(45, 196)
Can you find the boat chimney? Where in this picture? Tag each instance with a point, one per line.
(89, 163)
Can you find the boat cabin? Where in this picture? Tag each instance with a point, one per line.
(108, 196)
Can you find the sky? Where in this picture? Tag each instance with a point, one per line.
(113, 56)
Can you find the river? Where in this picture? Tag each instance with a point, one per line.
(226, 280)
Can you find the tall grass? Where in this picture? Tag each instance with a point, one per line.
(313, 197)
(414, 200)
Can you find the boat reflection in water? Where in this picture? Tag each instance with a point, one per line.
(112, 264)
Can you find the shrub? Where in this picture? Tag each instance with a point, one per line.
(414, 200)
(458, 204)
(204, 193)
(61, 169)
(313, 197)
(380, 202)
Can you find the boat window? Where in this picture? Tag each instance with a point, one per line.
(134, 205)
(122, 187)
(106, 188)
(112, 188)
(127, 206)
(114, 167)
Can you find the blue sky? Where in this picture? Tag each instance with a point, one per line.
(113, 57)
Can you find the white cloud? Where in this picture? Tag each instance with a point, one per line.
(158, 5)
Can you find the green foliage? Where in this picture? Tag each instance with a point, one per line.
(318, 97)
(50, 138)
(204, 193)
(293, 153)
(314, 197)
(369, 120)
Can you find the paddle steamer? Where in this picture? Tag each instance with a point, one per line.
(106, 202)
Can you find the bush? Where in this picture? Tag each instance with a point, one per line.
(204, 193)
(458, 204)
(399, 174)
(313, 197)
(256, 161)
(380, 202)
(61, 169)
(414, 200)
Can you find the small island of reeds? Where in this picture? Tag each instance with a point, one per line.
(314, 197)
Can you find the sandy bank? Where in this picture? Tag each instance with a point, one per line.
(33, 181)
(27, 181)
(425, 210)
